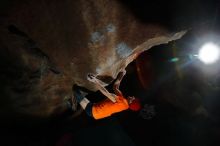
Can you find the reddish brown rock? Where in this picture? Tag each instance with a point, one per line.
(72, 39)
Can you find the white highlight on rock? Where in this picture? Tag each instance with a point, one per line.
(96, 37)
(110, 28)
(98, 70)
(123, 50)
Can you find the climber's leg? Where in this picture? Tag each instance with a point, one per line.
(82, 100)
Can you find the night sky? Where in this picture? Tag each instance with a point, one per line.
(184, 94)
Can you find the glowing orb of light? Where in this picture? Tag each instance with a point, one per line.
(209, 53)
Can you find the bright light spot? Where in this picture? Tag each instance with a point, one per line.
(209, 53)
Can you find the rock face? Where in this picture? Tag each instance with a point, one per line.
(47, 46)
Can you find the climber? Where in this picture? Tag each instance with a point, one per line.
(106, 107)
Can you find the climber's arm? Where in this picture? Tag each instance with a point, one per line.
(101, 88)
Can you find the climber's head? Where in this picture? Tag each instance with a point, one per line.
(134, 103)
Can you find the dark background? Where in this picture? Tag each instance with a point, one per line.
(169, 87)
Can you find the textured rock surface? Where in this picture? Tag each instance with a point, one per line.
(62, 42)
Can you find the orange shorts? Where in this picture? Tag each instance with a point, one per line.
(106, 107)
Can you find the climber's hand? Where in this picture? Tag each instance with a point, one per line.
(91, 77)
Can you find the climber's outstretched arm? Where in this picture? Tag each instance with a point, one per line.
(100, 86)
(104, 91)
